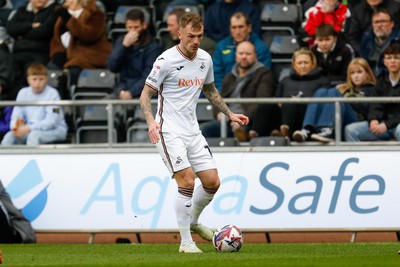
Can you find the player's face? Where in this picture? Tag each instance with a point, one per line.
(240, 31)
(392, 63)
(190, 39)
(37, 82)
(302, 64)
(358, 75)
(135, 26)
(173, 26)
(325, 44)
(245, 55)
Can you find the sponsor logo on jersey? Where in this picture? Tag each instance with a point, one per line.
(190, 82)
(179, 68)
(160, 58)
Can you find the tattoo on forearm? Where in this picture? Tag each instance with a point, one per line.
(215, 98)
(145, 105)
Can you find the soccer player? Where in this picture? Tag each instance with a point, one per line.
(178, 76)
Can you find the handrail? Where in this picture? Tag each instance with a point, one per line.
(110, 103)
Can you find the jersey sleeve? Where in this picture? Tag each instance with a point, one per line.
(158, 73)
(210, 73)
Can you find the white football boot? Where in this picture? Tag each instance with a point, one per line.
(203, 231)
(189, 248)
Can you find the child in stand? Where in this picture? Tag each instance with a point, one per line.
(35, 125)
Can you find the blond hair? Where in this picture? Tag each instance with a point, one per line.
(304, 51)
(358, 62)
(193, 18)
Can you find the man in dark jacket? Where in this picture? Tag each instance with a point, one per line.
(378, 38)
(133, 56)
(14, 227)
(248, 78)
(7, 74)
(383, 118)
(361, 17)
(32, 29)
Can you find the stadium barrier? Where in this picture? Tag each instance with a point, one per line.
(111, 105)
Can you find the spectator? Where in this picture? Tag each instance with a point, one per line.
(248, 78)
(5, 117)
(319, 120)
(35, 125)
(383, 118)
(304, 79)
(218, 16)
(332, 53)
(31, 27)
(15, 228)
(8, 91)
(206, 44)
(360, 20)
(332, 12)
(224, 55)
(375, 40)
(80, 38)
(6, 8)
(133, 56)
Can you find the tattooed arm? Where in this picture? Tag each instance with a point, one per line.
(145, 104)
(215, 98)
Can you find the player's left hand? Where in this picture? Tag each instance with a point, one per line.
(239, 118)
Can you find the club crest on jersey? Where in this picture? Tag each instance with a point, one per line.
(202, 67)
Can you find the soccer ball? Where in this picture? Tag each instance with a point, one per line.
(228, 238)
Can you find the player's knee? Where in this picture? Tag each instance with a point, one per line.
(213, 184)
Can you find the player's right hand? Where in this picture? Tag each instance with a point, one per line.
(154, 132)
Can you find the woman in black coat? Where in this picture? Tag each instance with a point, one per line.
(304, 79)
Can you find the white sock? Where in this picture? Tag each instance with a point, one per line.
(183, 207)
(201, 198)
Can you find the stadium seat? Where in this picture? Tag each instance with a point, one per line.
(222, 141)
(204, 112)
(59, 79)
(269, 141)
(281, 15)
(283, 46)
(137, 130)
(94, 83)
(92, 126)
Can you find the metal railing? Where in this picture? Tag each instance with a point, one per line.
(112, 103)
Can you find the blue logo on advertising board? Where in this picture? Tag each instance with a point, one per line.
(28, 179)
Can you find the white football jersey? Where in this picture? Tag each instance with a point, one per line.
(179, 81)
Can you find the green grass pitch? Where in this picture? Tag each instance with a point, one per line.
(281, 254)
